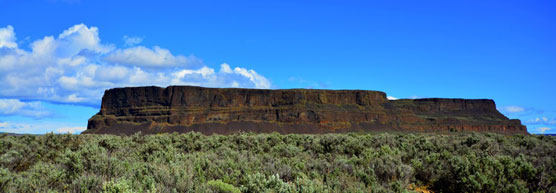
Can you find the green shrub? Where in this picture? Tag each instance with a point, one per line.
(261, 183)
(121, 186)
(249, 162)
(5, 179)
(221, 187)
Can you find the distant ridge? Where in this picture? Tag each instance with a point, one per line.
(15, 134)
(228, 110)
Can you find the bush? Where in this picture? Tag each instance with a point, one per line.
(221, 187)
(121, 186)
(249, 162)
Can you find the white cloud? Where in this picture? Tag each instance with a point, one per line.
(80, 38)
(7, 37)
(512, 109)
(391, 98)
(17, 107)
(16, 128)
(203, 72)
(73, 98)
(76, 67)
(71, 129)
(39, 127)
(235, 84)
(541, 120)
(75, 61)
(146, 57)
(226, 77)
(260, 81)
(131, 41)
(543, 129)
(225, 68)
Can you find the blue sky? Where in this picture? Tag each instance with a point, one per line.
(57, 57)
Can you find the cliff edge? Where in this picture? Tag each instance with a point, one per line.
(228, 110)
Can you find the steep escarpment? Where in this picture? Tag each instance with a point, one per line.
(229, 110)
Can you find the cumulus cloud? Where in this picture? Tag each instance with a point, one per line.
(17, 107)
(146, 57)
(391, 98)
(71, 129)
(512, 109)
(225, 77)
(131, 41)
(76, 67)
(7, 37)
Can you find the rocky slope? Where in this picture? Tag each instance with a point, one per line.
(228, 110)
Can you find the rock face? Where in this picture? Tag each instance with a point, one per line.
(229, 110)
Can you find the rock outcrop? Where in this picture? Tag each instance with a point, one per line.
(229, 110)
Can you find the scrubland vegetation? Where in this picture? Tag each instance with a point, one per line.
(246, 162)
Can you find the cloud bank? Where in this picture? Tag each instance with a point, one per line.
(39, 127)
(76, 67)
(17, 107)
(541, 121)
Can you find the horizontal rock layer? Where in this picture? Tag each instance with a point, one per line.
(229, 110)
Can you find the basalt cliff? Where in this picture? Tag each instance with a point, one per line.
(230, 110)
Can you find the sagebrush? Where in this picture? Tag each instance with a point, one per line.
(248, 162)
